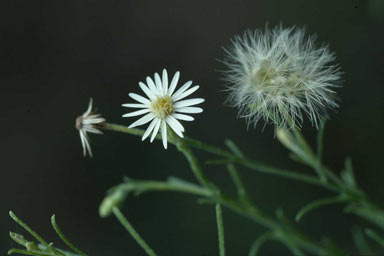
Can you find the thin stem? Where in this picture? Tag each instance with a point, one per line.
(285, 173)
(63, 237)
(124, 129)
(378, 238)
(220, 230)
(217, 151)
(25, 252)
(133, 232)
(249, 211)
(259, 242)
(241, 192)
(171, 185)
(318, 203)
(195, 166)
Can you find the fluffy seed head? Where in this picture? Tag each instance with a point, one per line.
(279, 75)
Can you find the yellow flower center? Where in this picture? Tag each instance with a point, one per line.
(162, 107)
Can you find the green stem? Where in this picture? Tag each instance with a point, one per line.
(247, 210)
(124, 129)
(192, 160)
(171, 185)
(25, 252)
(133, 232)
(220, 230)
(378, 238)
(254, 165)
(241, 192)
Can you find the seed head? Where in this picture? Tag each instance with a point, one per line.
(279, 75)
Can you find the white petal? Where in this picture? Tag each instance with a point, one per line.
(187, 103)
(183, 117)
(151, 85)
(156, 129)
(87, 145)
(145, 119)
(139, 98)
(133, 105)
(92, 130)
(136, 113)
(89, 109)
(165, 81)
(82, 141)
(159, 85)
(182, 89)
(175, 125)
(164, 134)
(146, 91)
(149, 129)
(175, 79)
(93, 120)
(190, 110)
(186, 93)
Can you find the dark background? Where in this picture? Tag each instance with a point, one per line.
(55, 55)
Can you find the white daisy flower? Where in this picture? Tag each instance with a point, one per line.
(88, 122)
(280, 74)
(163, 106)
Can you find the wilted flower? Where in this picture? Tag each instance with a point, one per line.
(278, 75)
(163, 107)
(88, 122)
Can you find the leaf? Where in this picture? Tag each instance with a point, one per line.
(318, 203)
(255, 248)
(234, 148)
(347, 174)
(320, 140)
(361, 242)
(374, 236)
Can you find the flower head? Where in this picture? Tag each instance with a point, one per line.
(163, 106)
(278, 75)
(88, 122)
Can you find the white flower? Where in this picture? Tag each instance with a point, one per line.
(88, 122)
(278, 75)
(164, 106)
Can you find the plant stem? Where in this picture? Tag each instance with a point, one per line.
(220, 230)
(241, 192)
(254, 165)
(133, 232)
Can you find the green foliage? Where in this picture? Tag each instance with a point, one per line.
(42, 248)
(279, 229)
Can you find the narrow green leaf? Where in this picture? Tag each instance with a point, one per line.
(18, 238)
(234, 148)
(361, 242)
(318, 203)
(27, 228)
(320, 140)
(255, 248)
(348, 174)
(62, 236)
(374, 236)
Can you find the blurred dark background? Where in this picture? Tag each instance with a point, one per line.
(55, 55)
